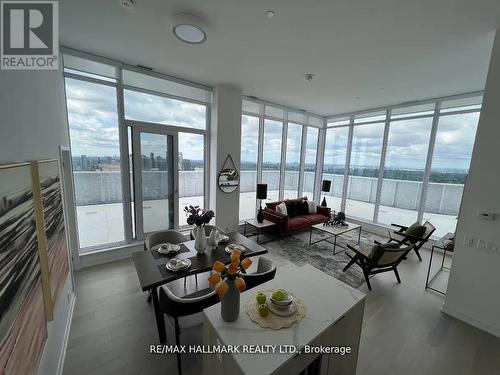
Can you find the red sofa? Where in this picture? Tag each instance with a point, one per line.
(286, 225)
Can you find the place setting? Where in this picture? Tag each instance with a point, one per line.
(178, 264)
(168, 249)
(275, 308)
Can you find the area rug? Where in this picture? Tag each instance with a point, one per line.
(297, 250)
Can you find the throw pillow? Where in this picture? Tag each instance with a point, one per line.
(312, 207)
(281, 208)
(378, 250)
(291, 208)
(416, 229)
(302, 208)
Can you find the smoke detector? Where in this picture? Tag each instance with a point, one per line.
(127, 4)
(189, 28)
(308, 77)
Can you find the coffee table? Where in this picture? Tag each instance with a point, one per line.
(334, 232)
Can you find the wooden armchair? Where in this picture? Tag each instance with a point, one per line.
(400, 236)
(386, 258)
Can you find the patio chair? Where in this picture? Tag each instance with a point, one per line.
(402, 236)
(378, 258)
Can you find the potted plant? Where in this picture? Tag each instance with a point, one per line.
(197, 217)
(229, 284)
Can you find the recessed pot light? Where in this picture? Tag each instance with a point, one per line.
(189, 28)
(270, 14)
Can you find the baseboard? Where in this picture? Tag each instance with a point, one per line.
(472, 321)
(62, 356)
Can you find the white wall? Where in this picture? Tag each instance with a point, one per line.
(225, 138)
(33, 124)
(474, 282)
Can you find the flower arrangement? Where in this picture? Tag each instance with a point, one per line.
(196, 215)
(233, 271)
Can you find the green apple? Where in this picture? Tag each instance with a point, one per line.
(263, 310)
(261, 298)
(278, 295)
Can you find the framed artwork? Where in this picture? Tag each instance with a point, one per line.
(53, 228)
(23, 329)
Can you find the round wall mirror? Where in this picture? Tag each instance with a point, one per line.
(229, 180)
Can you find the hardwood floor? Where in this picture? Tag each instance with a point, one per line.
(404, 331)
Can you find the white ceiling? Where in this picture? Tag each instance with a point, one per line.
(364, 53)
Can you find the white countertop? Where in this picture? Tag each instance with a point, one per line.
(326, 298)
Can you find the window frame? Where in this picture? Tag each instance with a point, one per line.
(123, 125)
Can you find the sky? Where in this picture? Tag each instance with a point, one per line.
(92, 111)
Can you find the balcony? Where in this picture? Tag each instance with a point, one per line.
(100, 211)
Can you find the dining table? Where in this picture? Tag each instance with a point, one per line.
(151, 269)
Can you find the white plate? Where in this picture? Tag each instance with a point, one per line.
(283, 311)
(229, 249)
(186, 263)
(223, 238)
(167, 249)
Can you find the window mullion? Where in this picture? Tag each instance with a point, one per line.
(347, 165)
(428, 164)
(382, 165)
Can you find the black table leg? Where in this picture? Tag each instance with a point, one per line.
(429, 270)
(334, 245)
(160, 320)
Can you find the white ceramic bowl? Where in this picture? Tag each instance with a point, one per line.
(285, 302)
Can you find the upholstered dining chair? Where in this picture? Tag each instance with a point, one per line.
(402, 236)
(378, 258)
(266, 270)
(175, 307)
(156, 238)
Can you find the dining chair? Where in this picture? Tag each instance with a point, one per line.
(266, 270)
(175, 307)
(377, 258)
(404, 237)
(156, 238)
(208, 230)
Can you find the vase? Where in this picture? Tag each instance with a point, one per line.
(200, 240)
(230, 303)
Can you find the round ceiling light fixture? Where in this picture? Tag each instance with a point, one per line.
(189, 28)
(270, 14)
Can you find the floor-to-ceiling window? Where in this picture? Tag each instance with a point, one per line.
(279, 148)
(292, 157)
(404, 168)
(121, 118)
(424, 151)
(248, 169)
(450, 165)
(364, 167)
(335, 162)
(95, 149)
(271, 157)
(310, 165)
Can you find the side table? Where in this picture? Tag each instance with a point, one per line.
(266, 224)
(439, 245)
